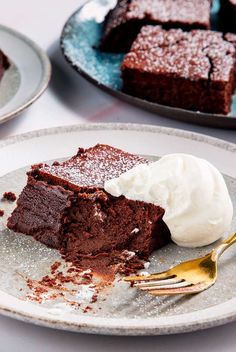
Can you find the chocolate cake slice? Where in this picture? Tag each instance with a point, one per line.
(65, 207)
(192, 70)
(4, 63)
(124, 22)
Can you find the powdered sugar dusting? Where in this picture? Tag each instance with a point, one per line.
(92, 167)
(197, 54)
(164, 11)
(136, 230)
(185, 13)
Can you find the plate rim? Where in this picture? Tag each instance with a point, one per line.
(96, 325)
(187, 134)
(179, 114)
(46, 69)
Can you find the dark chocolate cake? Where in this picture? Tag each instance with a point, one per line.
(65, 207)
(4, 63)
(192, 70)
(228, 15)
(124, 22)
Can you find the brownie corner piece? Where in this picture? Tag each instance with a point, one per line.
(191, 70)
(123, 23)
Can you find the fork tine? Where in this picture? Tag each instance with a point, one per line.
(162, 282)
(154, 287)
(160, 276)
(179, 291)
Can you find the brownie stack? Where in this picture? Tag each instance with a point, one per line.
(173, 58)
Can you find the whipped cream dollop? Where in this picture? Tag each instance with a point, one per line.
(198, 208)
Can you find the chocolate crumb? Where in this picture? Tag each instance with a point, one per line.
(1, 212)
(94, 298)
(54, 267)
(36, 166)
(87, 309)
(9, 196)
(87, 276)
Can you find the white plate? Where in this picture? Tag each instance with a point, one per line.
(27, 77)
(125, 311)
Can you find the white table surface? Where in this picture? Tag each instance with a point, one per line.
(70, 100)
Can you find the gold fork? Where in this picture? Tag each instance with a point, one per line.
(188, 277)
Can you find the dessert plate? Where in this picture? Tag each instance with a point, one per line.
(27, 77)
(80, 40)
(119, 310)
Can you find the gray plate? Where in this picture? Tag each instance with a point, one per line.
(120, 310)
(27, 77)
(80, 40)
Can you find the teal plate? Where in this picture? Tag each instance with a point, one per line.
(80, 40)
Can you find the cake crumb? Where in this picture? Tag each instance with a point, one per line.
(1, 212)
(54, 267)
(94, 298)
(87, 309)
(37, 166)
(55, 163)
(87, 276)
(9, 196)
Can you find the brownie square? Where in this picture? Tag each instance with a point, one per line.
(66, 207)
(228, 15)
(192, 70)
(4, 63)
(124, 22)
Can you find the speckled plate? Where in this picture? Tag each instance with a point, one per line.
(80, 41)
(120, 310)
(27, 77)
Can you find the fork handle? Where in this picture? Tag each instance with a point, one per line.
(228, 242)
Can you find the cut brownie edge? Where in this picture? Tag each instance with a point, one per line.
(39, 212)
